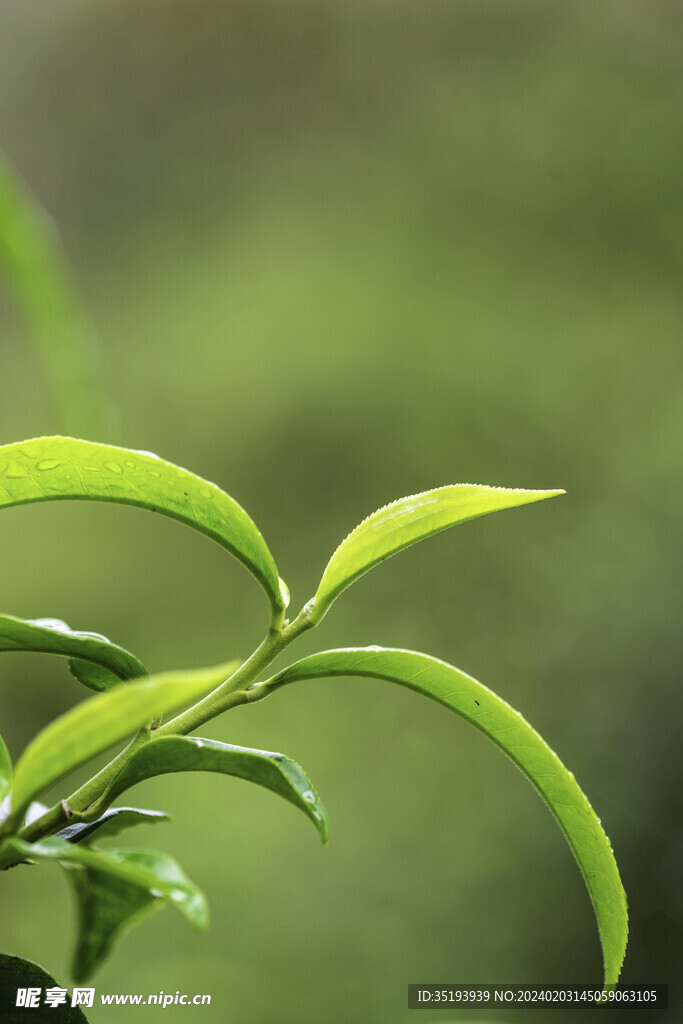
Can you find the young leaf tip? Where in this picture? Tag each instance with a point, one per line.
(408, 520)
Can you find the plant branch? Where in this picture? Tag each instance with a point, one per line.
(234, 691)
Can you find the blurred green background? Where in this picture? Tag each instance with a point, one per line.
(336, 253)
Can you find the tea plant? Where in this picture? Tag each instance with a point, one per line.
(117, 886)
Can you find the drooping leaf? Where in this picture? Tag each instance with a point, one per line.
(5, 770)
(110, 824)
(98, 662)
(33, 264)
(157, 874)
(406, 521)
(189, 754)
(108, 906)
(154, 871)
(17, 973)
(93, 676)
(96, 724)
(506, 727)
(61, 468)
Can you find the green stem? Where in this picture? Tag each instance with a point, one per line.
(233, 692)
(74, 805)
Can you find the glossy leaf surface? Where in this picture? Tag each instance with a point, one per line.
(506, 727)
(190, 754)
(406, 521)
(160, 875)
(95, 724)
(16, 973)
(62, 468)
(110, 824)
(100, 663)
(5, 770)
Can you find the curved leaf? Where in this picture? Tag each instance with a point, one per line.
(189, 754)
(506, 727)
(110, 824)
(62, 468)
(107, 906)
(156, 872)
(406, 521)
(96, 724)
(99, 663)
(17, 973)
(5, 771)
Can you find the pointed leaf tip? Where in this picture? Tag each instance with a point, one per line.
(406, 521)
(273, 771)
(512, 733)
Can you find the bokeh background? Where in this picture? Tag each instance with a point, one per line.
(335, 253)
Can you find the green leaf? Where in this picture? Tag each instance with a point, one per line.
(61, 468)
(38, 274)
(506, 727)
(100, 663)
(93, 676)
(17, 973)
(5, 770)
(96, 724)
(404, 522)
(110, 824)
(154, 871)
(189, 754)
(107, 906)
(156, 874)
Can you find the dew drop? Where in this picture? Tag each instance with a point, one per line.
(199, 744)
(150, 455)
(113, 467)
(131, 464)
(90, 636)
(156, 893)
(49, 464)
(56, 624)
